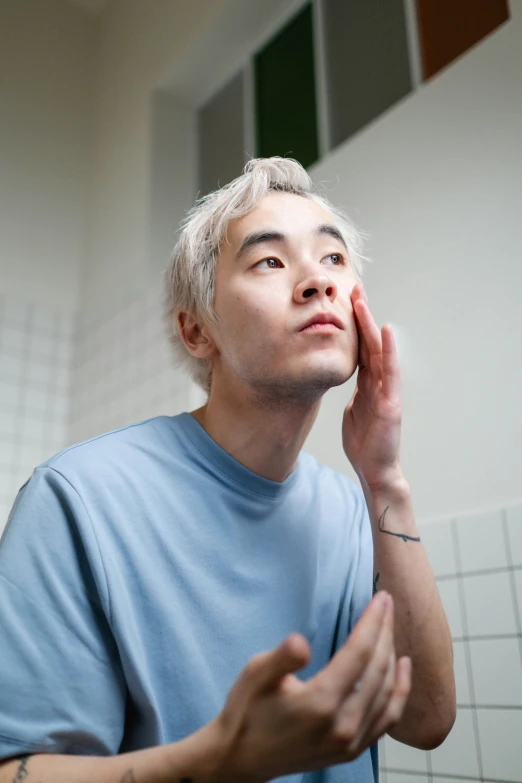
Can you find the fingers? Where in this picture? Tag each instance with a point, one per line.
(261, 672)
(265, 670)
(350, 662)
(364, 355)
(390, 365)
(358, 292)
(370, 338)
(396, 704)
(378, 680)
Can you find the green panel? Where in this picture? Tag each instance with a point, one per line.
(286, 114)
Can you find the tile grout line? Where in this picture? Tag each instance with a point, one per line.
(512, 584)
(480, 572)
(51, 386)
(467, 651)
(487, 637)
(513, 707)
(444, 776)
(22, 388)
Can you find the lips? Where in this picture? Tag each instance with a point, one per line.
(323, 318)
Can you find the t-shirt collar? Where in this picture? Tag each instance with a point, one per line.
(227, 465)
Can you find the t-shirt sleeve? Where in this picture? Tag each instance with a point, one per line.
(62, 688)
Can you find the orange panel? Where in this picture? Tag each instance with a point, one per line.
(447, 28)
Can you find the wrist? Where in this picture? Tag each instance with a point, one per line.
(229, 762)
(203, 755)
(394, 484)
(214, 754)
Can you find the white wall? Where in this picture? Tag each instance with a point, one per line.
(36, 346)
(46, 60)
(76, 288)
(138, 41)
(46, 101)
(437, 184)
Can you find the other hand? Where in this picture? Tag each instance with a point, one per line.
(275, 724)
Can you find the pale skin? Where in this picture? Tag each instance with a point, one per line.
(268, 379)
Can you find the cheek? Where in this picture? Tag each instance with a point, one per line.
(252, 308)
(241, 322)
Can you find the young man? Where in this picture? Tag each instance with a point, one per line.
(190, 598)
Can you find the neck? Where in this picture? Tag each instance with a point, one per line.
(265, 434)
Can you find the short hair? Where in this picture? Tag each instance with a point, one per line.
(190, 275)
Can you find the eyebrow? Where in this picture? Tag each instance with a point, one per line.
(260, 237)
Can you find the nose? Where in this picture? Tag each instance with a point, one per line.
(317, 284)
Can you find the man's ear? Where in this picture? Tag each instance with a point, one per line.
(195, 336)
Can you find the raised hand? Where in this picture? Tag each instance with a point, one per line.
(372, 419)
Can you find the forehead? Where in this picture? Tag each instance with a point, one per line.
(285, 212)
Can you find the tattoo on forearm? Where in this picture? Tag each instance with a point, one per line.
(390, 533)
(375, 582)
(22, 771)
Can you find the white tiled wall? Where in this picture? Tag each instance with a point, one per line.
(123, 367)
(66, 378)
(35, 377)
(477, 561)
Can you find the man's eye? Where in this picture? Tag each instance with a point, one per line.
(337, 258)
(270, 262)
(274, 263)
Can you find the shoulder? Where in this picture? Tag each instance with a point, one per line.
(82, 486)
(116, 451)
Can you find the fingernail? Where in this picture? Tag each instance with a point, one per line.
(383, 600)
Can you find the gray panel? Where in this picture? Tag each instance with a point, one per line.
(221, 137)
(367, 63)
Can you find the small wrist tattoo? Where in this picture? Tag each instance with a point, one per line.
(390, 533)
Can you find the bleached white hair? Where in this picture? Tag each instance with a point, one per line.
(189, 277)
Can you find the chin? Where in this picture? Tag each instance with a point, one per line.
(327, 373)
(305, 380)
(327, 379)
(312, 384)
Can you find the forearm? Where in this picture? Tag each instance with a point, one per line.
(194, 758)
(421, 629)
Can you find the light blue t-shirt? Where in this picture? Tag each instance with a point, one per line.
(141, 569)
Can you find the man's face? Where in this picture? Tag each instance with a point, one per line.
(280, 266)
